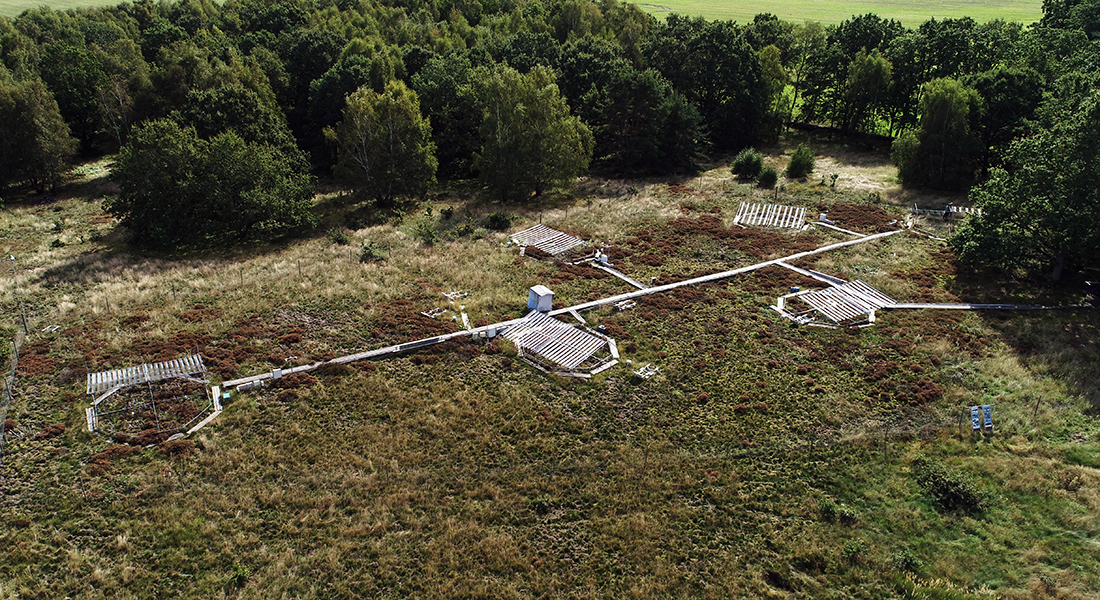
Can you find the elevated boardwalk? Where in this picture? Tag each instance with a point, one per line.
(500, 328)
(620, 275)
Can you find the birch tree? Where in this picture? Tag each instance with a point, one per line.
(384, 144)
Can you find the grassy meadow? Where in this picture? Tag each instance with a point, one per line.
(764, 460)
(11, 8)
(910, 12)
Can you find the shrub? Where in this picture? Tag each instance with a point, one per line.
(853, 550)
(499, 221)
(338, 236)
(802, 162)
(953, 490)
(239, 576)
(747, 164)
(906, 561)
(370, 253)
(426, 233)
(768, 177)
(831, 512)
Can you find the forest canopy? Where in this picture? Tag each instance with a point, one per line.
(623, 93)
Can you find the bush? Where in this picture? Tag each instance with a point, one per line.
(832, 513)
(802, 162)
(426, 233)
(768, 177)
(370, 253)
(748, 164)
(952, 490)
(499, 221)
(239, 576)
(906, 561)
(339, 237)
(853, 550)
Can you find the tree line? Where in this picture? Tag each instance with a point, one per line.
(521, 94)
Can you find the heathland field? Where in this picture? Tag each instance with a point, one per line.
(763, 460)
(910, 12)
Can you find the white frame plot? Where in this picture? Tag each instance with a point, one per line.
(547, 239)
(180, 367)
(113, 402)
(548, 343)
(851, 304)
(770, 215)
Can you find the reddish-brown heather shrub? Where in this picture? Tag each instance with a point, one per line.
(177, 448)
(51, 432)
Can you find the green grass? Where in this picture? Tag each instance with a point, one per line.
(910, 12)
(747, 469)
(12, 8)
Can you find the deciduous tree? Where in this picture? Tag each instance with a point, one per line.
(944, 153)
(714, 67)
(35, 144)
(178, 189)
(385, 144)
(1039, 211)
(530, 142)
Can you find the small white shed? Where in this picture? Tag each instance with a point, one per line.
(540, 298)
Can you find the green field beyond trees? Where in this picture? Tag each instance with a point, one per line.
(910, 12)
(11, 8)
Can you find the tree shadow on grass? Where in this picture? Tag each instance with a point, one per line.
(1064, 344)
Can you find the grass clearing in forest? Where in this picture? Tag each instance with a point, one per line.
(911, 13)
